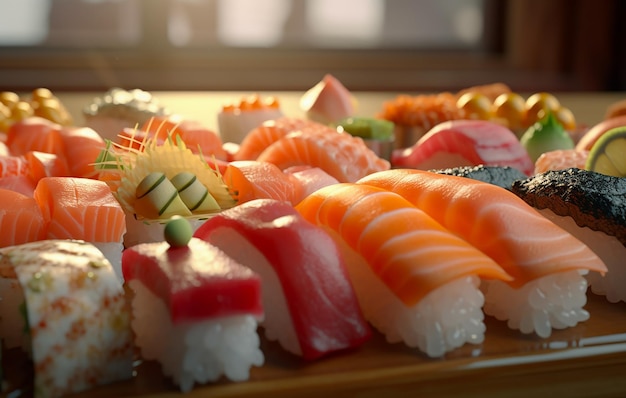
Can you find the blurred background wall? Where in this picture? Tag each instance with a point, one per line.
(373, 45)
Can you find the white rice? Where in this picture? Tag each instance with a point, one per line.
(447, 318)
(12, 322)
(610, 250)
(554, 301)
(198, 352)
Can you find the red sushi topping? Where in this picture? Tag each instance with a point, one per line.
(196, 281)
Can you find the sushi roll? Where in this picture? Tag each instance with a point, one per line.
(66, 307)
(547, 263)
(84, 209)
(416, 282)
(310, 305)
(195, 309)
(592, 207)
(161, 179)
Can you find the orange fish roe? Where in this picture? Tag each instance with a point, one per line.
(428, 110)
(252, 103)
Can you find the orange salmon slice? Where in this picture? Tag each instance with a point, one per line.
(80, 208)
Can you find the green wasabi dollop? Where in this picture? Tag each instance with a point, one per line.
(178, 231)
(544, 136)
(367, 128)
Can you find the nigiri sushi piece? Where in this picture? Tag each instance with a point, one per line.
(328, 101)
(236, 120)
(195, 311)
(547, 263)
(592, 207)
(66, 295)
(343, 156)
(270, 131)
(416, 282)
(85, 209)
(21, 219)
(310, 305)
(465, 143)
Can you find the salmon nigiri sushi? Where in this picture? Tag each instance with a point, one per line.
(546, 262)
(416, 282)
(342, 155)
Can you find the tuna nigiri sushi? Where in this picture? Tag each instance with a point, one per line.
(342, 155)
(67, 296)
(465, 143)
(310, 305)
(547, 263)
(206, 307)
(416, 281)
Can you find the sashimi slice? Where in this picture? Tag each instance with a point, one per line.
(22, 184)
(80, 208)
(267, 133)
(310, 179)
(251, 179)
(196, 281)
(416, 281)
(310, 306)
(465, 143)
(34, 134)
(343, 156)
(196, 137)
(13, 166)
(21, 220)
(328, 101)
(43, 164)
(82, 145)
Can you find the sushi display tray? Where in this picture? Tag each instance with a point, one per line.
(588, 360)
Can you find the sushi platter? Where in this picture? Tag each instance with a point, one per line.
(312, 264)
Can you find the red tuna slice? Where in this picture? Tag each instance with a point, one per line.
(310, 305)
(465, 143)
(196, 282)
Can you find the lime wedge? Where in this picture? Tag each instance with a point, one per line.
(608, 154)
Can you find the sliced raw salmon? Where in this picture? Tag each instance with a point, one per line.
(343, 156)
(80, 208)
(21, 220)
(34, 134)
